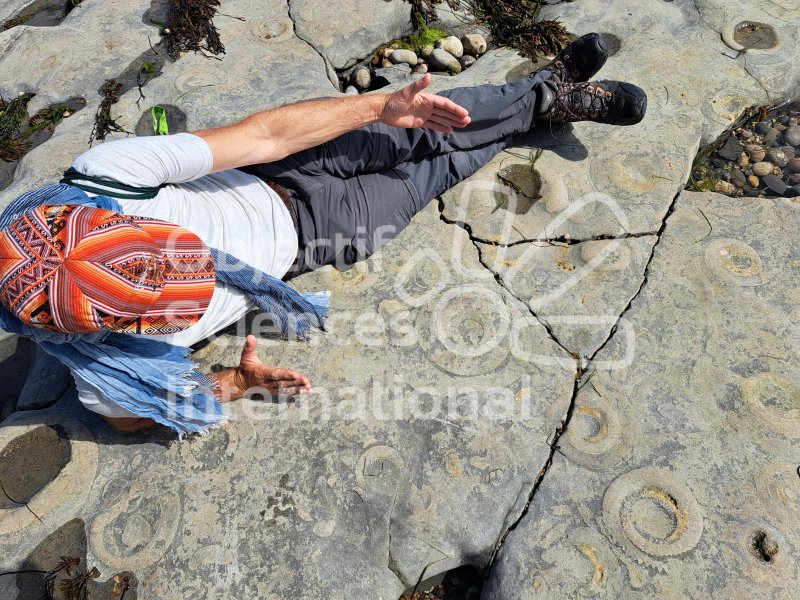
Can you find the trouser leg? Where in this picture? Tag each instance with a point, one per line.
(496, 111)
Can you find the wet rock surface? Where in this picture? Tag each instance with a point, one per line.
(448, 428)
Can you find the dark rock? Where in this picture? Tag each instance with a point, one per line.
(752, 193)
(775, 183)
(441, 60)
(718, 163)
(793, 192)
(467, 61)
(393, 74)
(777, 157)
(792, 135)
(738, 179)
(763, 127)
(789, 151)
(731, 149)
(770, 137)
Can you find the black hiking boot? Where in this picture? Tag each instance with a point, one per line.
(611, 102)
(579, 60)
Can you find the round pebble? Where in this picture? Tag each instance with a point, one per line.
(401, 56)
(792, 192)
(794, 179)
(426, 51)
(351, 90)
(777, 157)
(441, 60)
(770, 137)
(421, 69)
(762, 168)
(792, 135)
(738, 179)
(753, 181)
(755, 152)
(789, 151)
(387, 52)
(387, 63)
(361, 78)
(743, 161)
(474, 44)
(763, 127)
(746, 134)
(452, 45)
(775, 183)
(467, 61)
(793, 165)
(723, 187)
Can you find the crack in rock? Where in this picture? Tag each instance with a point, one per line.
(330, 73)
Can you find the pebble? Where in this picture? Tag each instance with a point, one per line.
(731, 149)
(408, 57)
(755, 152)
(746, 134)
(753, 181)
(770, 137)
(763, 127)
(738, 179)
(361, 78)
(780, 127)
(743, 161)
(393, 73)
(441, 60)
(351, 90)
(386, 63)
(762, 168)
(793, 165)
(789, 151)
(421, 69)
(775, 183)
(792, 192)
(387, 52)
(426, 51)
(777, 157)
(473, 44)
(723, 187)
(792, 136)
(753, 193)
(794, 179)
(452, 45)
(467, 61)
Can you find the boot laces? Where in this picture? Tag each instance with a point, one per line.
(581, 101)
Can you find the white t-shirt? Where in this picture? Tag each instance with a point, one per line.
(230, 210)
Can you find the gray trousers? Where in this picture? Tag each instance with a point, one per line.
(353, 194)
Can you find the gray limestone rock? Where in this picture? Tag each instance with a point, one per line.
(404, 56)
(677, 471)
(345, 32)
(394, 73)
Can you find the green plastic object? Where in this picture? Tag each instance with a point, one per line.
(160, 126)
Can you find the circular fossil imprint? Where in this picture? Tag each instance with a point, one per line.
(654, 510)
(779, 486)
(272, 30)
(735, 261)
(47, 465)
(755, 36)
(776, 401)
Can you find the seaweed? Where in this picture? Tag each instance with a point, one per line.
(16, 129)
(190, 28)
(103, 122)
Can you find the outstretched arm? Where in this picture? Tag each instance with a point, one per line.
(273, 134)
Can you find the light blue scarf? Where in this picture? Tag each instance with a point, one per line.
(150, 378)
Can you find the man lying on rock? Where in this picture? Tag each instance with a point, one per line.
(149, 245)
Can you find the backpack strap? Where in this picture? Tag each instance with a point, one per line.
(109, 188)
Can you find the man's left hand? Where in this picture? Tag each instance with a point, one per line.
(413, 107)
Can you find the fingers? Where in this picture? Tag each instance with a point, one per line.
(418, 85)
(447, 118)
(249, 350)
(442, 103)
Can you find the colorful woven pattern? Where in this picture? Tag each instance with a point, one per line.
(80, 269)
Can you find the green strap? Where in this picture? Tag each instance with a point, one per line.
(109, 188)
(160, 125)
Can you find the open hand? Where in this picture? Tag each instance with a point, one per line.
(412, 107)
(253, 376)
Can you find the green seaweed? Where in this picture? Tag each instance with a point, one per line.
(16, 128)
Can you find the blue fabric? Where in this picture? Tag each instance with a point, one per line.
(150, 378)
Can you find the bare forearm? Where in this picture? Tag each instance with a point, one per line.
(273, 134)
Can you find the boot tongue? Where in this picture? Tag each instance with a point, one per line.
(545, 96)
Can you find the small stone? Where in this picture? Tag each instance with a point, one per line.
(66, 114)
(404, 57)
(473, 44)
(441, 60)
(387, 52)
(393, 73)
(421, 69)
(755, 152)
(789, 151)
(731, 149)
(753, 193)
(753, 181)
(762, 168)
(792, 192)
(738, 179)
(743, 161)
(723, 187)
(452, 45)
(394, 45)
(770, 137)
(467, 61)
(763, 127)
(351, 90)
(167, 31)
(794, 179)
(780, 127)
(426, 51)
(793, 165)
(777, 157)
(775, 183)
(746, 134)
(784, 119)
(386, 63)
(792, 136)
(375, 61)
(361, 78)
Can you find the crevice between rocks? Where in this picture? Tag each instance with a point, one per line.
(582, 369)
(330, 73)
